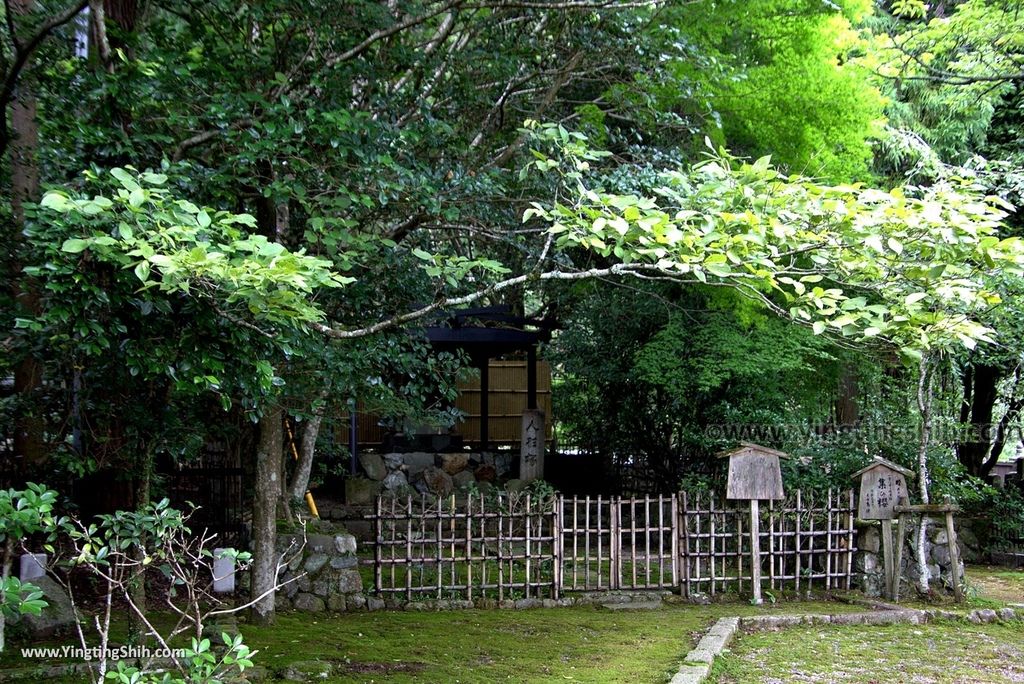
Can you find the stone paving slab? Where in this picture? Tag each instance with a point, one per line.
(636, 605)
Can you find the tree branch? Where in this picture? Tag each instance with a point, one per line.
(22, 53)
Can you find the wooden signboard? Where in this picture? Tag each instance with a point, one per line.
(754, 472)
(883, 486)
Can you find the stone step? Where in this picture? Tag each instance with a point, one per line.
(635, 605)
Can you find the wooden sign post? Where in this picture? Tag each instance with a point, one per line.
(883, 487)
(947, 508)
(754, 473)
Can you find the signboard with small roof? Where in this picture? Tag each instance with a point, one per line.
(883, 487)
(755, 473)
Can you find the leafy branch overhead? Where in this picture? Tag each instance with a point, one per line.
(175, 246)
(914, 266)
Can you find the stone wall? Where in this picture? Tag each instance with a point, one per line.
(868, 559)
(323, 575)
(420, 472)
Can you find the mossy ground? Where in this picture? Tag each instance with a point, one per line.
(937, 652)
(581, 644)
(922, 654)
(588, 644)
(584, 644)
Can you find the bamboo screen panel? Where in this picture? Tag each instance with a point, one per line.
(806, 543)
(438, 548)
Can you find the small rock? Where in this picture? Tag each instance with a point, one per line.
(360, 491)
(515, 485)
(309, 603)
(344, 543)
(374, 604)
(870, 540)
(453, 463)
(336, 603)
(342, 562)
(373, 465)
(395, 480)
(393, 461)
(485, 473)
(417, 606)
(356, 602)
(463, 479)
(437, 481)
(349, 582)
(417, 462)
(315, 562)
(320, 588)
(525, 603)
(307, 671)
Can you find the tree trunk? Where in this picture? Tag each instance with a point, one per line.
(24, 146)
(307, 450)
(924, 406)
(5, 572)
(137, 588)
(846, 407)
(264, 513)
(981, 385)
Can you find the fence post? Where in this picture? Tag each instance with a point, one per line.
(556, 533)
(614, 543)
(755, 551)
(684, 555)
(674, 517)
(378, 555)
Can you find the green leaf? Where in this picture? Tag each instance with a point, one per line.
(75, 245)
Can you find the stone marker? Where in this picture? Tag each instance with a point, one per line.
(33, 565)
(531, 453)
(223, 572)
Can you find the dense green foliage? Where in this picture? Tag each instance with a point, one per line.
(273, 187)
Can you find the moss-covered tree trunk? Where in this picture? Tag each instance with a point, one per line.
(264, 513)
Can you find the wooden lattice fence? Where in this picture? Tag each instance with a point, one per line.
(518, 546)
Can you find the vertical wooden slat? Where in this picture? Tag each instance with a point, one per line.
(378, 535)
(810, 544)
(828, 542)
(575, 542)
(755, 551)
(661, 541)
(526, 583)
(954, 553)
(469, 548)
(600, 542)
(739, 553)
(712, 523)
(615, 542)
(850, 541)
(632, 539)
(796, 543)
(556, 534)
(501, 551)
(483, 547)
(771, 544)
(408, 548)
(674, 539)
